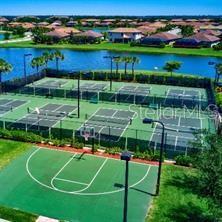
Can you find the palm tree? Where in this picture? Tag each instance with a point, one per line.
(57, 55)
(117, 62)
(135, 60)
(5, 67)
(37, 63)
(47, 57)
(126, 60)
(218, 68)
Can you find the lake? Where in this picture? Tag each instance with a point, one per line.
(91, 60)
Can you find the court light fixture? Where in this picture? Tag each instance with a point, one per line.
(150, 121)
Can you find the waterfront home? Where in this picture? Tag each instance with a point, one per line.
(3, 20)
(160, 39)
(212, 32)
(147, 30)
(197, 41)
(60, 33)
(42, 24)
(211, 27)
(90, 35)
(71, 23)
(124, 35)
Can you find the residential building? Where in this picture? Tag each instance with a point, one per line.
(124, 35)
(197, 41)
(162, 38)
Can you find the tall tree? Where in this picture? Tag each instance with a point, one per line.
(126, 60)
(218, 68)
(209, 165)
(57, 55)
(5, 67)
(135, 60)
(37, 63)
(47, 57)
(171, 66)
(117, 62)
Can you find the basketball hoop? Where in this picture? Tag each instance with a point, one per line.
(87, 132)
(86, 136)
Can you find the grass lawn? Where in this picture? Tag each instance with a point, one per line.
(9, 150)
(120, 47)
(180, 201)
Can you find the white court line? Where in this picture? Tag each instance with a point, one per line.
(71, 181)
(93, 177)
(175, 145)
(61, 171)
(78, 193)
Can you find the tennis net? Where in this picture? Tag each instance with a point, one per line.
(120, 121)
(6, 108)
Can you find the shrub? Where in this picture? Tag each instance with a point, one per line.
(183, 160)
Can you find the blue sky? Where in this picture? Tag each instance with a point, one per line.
(111, 7)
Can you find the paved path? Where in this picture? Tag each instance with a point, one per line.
(16, 40)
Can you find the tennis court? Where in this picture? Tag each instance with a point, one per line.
(8, 105)
(76, 187)
(108, 124)
(44, 117)
(180, 132)
(181, 97)
(54, 83)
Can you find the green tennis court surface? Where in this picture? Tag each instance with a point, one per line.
(62, 185)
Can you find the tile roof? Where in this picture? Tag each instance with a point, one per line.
(125, 30)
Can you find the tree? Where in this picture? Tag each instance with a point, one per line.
(218, 68)
(209, 165)
(135, 60)
(57, 55)
(7, 35)
(170, 66)
(117, 62)
(37, 63)
(5, 67)
(47, 57)
(187, 30)
(126, 61)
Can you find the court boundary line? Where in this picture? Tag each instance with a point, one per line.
(83, 194)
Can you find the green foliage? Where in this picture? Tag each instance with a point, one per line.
(186, 30)
(7, 35)
(113, 150)
(171, 66)
(209, 165)
(179, 200)
(20, 136)
(83, 40)
(218, 47)
(183, 160)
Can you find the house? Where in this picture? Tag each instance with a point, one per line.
(91, 34)
(147, 30)
(212, 32)
(211, 27)
(162, 38)
(124, 35)
(3, 20)
(197, 41)
(42, 24)
(71, 23)
(62, 33)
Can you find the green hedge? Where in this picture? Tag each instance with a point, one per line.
(177, 80)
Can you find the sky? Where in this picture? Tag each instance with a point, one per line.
(111, 7)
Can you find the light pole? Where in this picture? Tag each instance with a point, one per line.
(111, 67)
(78, 90)
(126, 155)
(24, 62)
(150, 121)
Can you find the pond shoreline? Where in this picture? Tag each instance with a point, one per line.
(119, 47)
